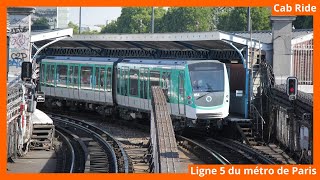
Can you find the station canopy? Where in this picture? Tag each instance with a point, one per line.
(198, 45)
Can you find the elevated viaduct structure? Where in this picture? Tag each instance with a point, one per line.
(256, 62)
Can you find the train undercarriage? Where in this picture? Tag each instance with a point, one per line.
(112, 113)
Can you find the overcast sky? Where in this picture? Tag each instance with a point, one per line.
(94, 15)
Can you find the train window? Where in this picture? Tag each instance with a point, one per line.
(50, 73)
(143, 83)
(61, 75)
(97, 79)
(166, 84)
(208, 77)
(124, 82)
(118, 81)
(109, 79)
(181, 87)
(134, 82)
(75, 76)
(154, 79)
(102, 83)
(70, 76)
(86, 77)
(43, 74)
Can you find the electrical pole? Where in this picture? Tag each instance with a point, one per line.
(248, 19)
(152, 21)
(80, 20)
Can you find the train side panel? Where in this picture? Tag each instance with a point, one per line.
(77, 80)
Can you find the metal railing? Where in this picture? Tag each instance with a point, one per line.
(14, 99)
(303, 62)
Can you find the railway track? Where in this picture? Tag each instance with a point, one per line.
(204, 153)
(209, 151)
(101, 152)
(132, 136)
(224, 151)
(65, 154)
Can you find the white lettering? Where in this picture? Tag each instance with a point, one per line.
(278, 8)
(305, 8)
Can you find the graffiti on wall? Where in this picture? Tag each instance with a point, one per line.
(19, 46)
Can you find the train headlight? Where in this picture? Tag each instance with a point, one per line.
(189, 102)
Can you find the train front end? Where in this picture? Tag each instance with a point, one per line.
(208, 93)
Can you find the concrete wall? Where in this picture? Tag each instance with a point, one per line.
(282, 36)
(19, 46)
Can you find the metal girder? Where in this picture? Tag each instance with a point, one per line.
(190, 46)
(145, 53)
(138, 45)
(90, 45)
(44, 46)
(50, 34)
(54, 35)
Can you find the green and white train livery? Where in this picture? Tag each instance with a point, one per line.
(197, 91)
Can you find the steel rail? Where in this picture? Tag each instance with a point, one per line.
(98, 138)
(208, 151)
(70, 147)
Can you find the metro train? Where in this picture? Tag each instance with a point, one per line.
(197, 91)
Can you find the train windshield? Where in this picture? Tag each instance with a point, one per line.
(207, 77)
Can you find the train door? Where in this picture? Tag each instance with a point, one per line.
(51, 78)
(181, 94)
(45, 74)
(76, 81)
(144, 104)
(134, 100)
(97, 89)
(154, 81)
(86, 83)
(108, 84)
(124, 86)
(70, 76)
(166, 86)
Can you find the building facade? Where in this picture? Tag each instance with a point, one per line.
(58, 17)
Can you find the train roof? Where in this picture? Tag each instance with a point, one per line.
(155, 61)
(76, 59)
(107, 60)
(164, 61)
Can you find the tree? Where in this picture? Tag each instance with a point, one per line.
(90, 32)
(236, 19)
(135, 20)
(303, 22)
(110, 28)
(74, 27)
(40, 24)
(187, 20)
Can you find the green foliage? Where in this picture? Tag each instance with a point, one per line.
(303, 22)
(74, 27)
(134, 20)
(195, 19)
(187, 20)
(110, 28)
(236, 19)
(40, 24)
(90, 32)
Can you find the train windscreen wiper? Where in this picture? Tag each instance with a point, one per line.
(210, 90)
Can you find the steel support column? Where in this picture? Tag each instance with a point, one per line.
(246, 67)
